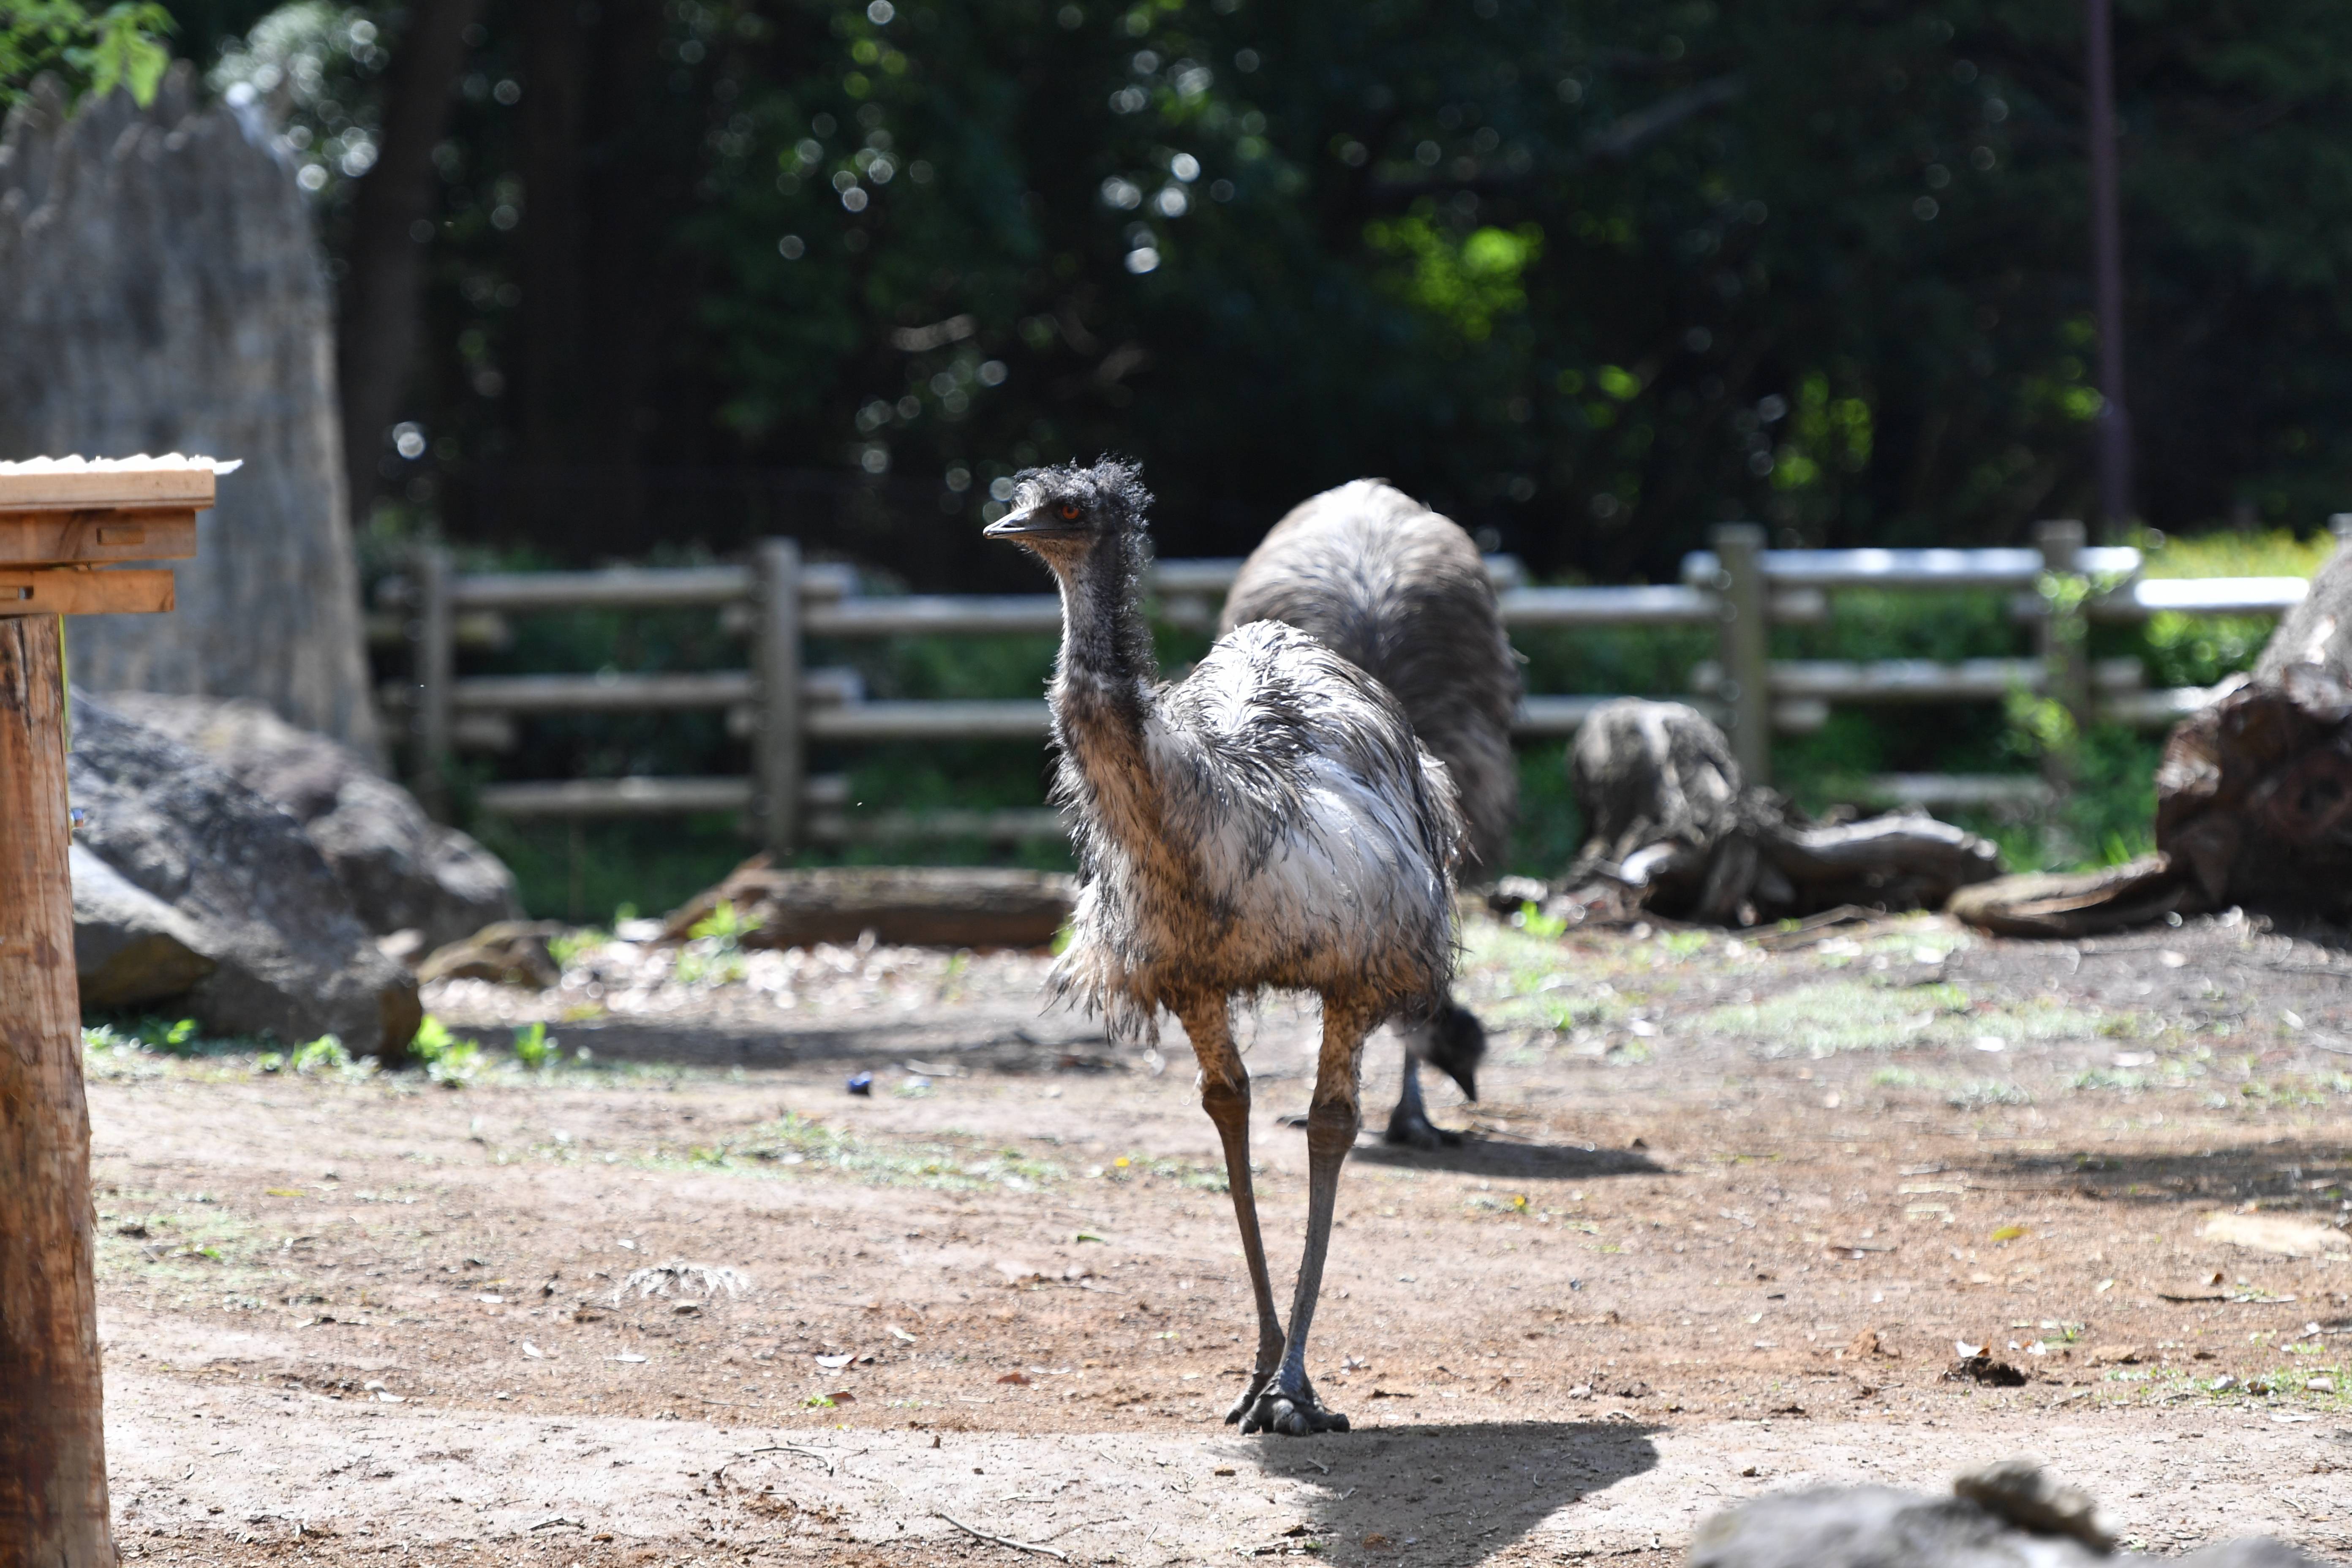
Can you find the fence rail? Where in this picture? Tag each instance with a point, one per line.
(779, 603)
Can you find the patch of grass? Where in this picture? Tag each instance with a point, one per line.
(1981, 1093)
(448, 1060)
(1837, 1015)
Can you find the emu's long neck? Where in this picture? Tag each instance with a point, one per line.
(1102, 693)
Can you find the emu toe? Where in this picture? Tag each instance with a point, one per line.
(1250, 1392)
(1411, 1128)
(1293, 1415)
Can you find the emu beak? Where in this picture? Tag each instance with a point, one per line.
(1028, 524)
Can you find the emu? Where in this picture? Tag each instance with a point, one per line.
(1268, 821)
(1400, 592)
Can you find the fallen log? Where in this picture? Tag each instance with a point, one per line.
(914, 906)
(2253, 797)
(1676, 831)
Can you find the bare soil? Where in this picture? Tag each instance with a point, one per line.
(1728, 1210)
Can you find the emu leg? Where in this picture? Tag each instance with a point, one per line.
(1409, 1123)
(1288, 1405)
(1226, 1096)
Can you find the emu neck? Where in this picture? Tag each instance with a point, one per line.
(1105, 642)
(1102, 694)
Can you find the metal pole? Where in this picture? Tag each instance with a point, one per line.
(2113, 426)
(1747, 648)
(781, 756)
(436, 672)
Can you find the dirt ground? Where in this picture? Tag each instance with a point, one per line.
(1730, 1208)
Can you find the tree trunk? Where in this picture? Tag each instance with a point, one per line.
(53, 1504)
(380, 309)
(161, 290)
(1675, 830)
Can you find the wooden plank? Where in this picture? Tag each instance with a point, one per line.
(77, 590)
(96, 535)
(52, 490)
(616, 797)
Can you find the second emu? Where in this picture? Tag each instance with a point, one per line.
(1267, 822)
(1400, 592)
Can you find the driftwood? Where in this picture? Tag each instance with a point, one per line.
(914, 906)
(1676, 831)
(2253, 797)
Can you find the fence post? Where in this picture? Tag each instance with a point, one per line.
(779, 755)
(436, 671)
(1747, 646)
(2065, 631)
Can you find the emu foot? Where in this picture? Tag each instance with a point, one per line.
(1250, 1392)
(1292, 1414)
(1409, 1127)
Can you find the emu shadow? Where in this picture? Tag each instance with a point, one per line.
(1477, 1156)
(1439, 1493)
(2311, 1177)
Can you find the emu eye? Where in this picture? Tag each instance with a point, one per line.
(1069, 510)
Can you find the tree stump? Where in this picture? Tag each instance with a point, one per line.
(2253, 797)
(53, 1502)
(1675, 830)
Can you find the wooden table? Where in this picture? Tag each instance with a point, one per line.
(62, 529)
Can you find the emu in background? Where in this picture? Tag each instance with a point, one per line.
(1270, 821)
(1400, 592)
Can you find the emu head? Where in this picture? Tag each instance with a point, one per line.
(1064, 513)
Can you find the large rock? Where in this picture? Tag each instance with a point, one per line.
(402, 870)
(161, 289)
(130, 946)
(2010, 1514)
(249, 892)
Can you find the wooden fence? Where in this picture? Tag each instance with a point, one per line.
(783, 706)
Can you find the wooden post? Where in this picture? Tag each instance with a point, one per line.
(437, 671)
(2063, 634)
(780, 757)
(1747, 646)
(53, 1504)
(59, 521)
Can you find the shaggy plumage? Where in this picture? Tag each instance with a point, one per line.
(1401, 593)
(1270, 821)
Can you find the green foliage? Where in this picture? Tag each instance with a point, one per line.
(448, 1060)
(532, 1048)
(92, 52)
(324, 1055)
(724, 926)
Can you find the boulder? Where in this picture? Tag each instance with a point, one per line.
(247, 891)
(402, 870)
(2001, 1516)
(130, 946)
(511, 953)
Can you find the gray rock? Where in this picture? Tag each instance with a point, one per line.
(2010, 1514)
(289, 957)
(1874, 1527)
(2021, 1491)
(130, 946)
(403, 870)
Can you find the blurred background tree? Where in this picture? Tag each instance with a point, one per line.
(1591, 276)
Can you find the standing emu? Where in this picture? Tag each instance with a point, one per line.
(1269, 822)
(1400, 592)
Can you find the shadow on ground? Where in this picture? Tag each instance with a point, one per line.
(1477, 1156)
(1442, 1494)
(2289, 1175)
